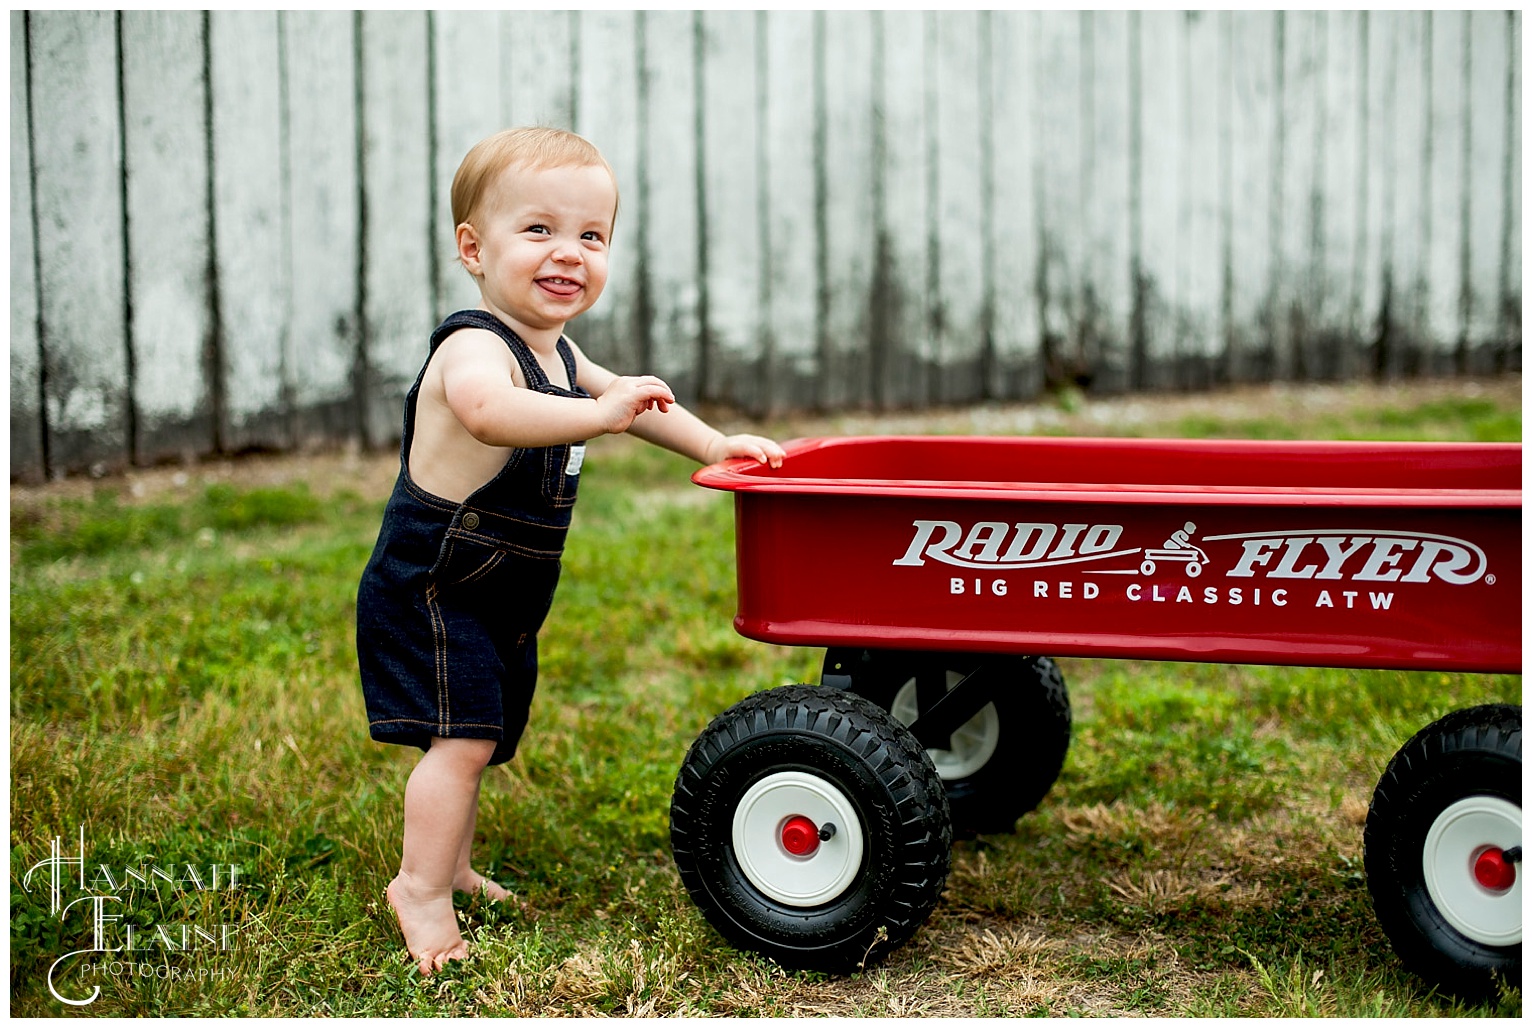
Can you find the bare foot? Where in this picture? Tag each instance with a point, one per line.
(473, 883)
(428, 922)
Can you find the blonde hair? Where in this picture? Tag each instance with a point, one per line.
(537, 147)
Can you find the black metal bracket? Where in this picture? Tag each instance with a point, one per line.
(942, 710)
(952, 708)
(841, 663)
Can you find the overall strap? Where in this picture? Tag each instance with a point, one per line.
(532, 370)
(569, 365)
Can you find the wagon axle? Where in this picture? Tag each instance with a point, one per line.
(1495, 868)
(801, 837)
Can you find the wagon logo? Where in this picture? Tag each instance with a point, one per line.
(1358, 555)
(1323, 554)
(994, 545)
(1178, 549)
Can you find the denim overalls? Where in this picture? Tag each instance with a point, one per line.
(449, 606)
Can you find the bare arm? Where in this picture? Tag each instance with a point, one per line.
(478, 381)
(676, 428)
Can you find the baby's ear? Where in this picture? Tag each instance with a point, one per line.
(468, 247)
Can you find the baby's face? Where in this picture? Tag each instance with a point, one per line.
(542, 243)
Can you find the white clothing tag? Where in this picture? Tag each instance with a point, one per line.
(576, 459)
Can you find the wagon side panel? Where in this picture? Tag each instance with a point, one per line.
(1282, 583)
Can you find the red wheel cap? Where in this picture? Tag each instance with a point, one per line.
(1493, 871)
(800, 836)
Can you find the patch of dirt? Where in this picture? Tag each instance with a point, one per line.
(326, 472)
(371, 473)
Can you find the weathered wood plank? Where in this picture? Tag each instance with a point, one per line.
(1255, 177)
(1409, 219)
(323, 184)
(467, 107)
(78, 194)
(1300, 95)
(1449, 184)
(1104, 308)
(1511, 228)
(1334, 299)
(1015, 315)
(1379, 35)
(959, 233)
(26, 425)
(1057, 73)
(537, 56)
(844, 84)
(787, 181)
(902, 277)
(250, 229)
(608, 112)
(164, 111)
(668, 270)
(731, 257)
(397, 216)
(27, 462)
(1199, 280)
(1164, 167)
(1488, 54)
(1226, 328)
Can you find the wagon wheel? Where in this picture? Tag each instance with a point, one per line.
(810, 827)
(1002, 762)
(1442, 849)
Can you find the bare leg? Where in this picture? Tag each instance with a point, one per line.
(465, 878)
(439, 801)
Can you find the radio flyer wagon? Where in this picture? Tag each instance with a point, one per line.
(814, 824)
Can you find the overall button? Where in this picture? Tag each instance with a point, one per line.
(470, 521)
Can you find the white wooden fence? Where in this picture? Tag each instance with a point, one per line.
(230, 230)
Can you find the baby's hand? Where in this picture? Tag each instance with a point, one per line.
(628, 397)
(745, 445)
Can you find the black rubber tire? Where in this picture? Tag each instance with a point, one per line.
(1031, 713)
(847, 742)
(1468, 753)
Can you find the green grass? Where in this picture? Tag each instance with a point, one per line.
(183, 686)
(1470, 418)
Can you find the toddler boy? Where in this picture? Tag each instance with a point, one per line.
(467, 559)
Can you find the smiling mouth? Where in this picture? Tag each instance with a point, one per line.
(560, 286)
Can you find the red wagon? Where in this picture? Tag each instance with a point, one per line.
(815, 824)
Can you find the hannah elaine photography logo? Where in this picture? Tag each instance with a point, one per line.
(98, 896)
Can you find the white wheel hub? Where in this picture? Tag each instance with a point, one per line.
(972, 744)
(780, 829)
(1466, 839)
